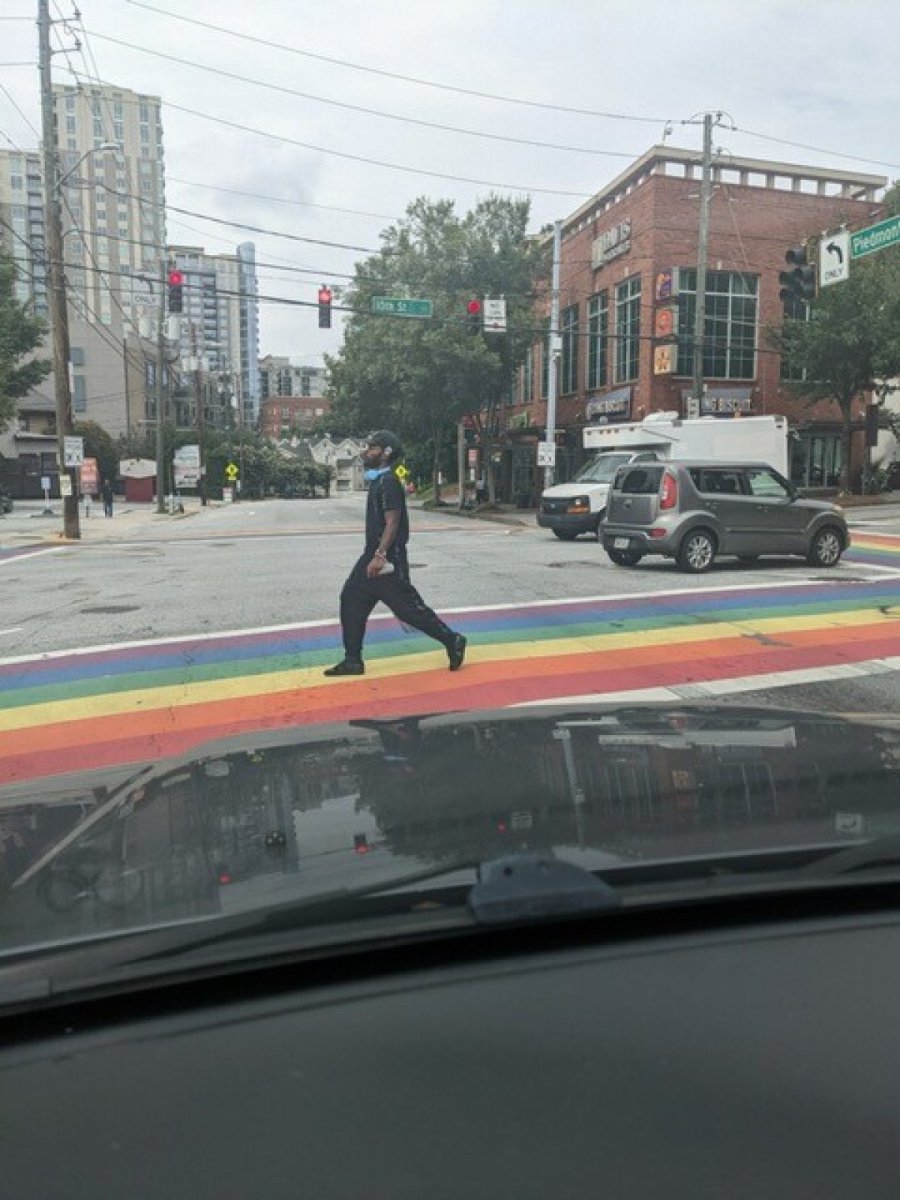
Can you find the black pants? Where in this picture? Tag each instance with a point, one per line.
(360, 594)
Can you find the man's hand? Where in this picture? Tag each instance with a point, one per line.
(373, 570)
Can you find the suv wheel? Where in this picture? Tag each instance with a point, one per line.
(826, 548)
(566, 535)
(625, 558)
(697, 551)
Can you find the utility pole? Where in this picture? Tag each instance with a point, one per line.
(198, 400)
(59, 314)
(160, 371)
(702, 258)
(554, 349)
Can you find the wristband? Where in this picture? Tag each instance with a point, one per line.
(379, 554)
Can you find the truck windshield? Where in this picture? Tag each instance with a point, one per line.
(601, 468)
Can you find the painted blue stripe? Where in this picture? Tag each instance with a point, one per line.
(247, 647)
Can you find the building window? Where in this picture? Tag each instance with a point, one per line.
(528, 376)
(76, 356)
(569, 365)
(795, 309)
(628, 328)
(545, 358)
(729, 331)
(79, 394)
(598, 328)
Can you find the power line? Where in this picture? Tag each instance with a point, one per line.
(445, 87)
(211, 187)
(360, 108)
(372, 162)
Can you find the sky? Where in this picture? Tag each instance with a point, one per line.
(819, 74)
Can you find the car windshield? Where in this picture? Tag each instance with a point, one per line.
(303, 311)
(602, 468)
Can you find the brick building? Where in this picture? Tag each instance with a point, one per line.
(627, 294)
(284, 416)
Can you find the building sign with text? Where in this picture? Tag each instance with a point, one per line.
(611, 244)
(723, 401)
(614, 406)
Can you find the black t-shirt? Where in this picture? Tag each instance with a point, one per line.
(386, 494)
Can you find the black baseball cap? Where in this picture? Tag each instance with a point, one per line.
(387, 441)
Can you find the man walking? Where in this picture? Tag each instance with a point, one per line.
(382, 572)
(107, 493)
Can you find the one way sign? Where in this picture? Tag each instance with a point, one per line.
(834, 258)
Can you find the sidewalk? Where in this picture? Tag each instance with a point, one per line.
(28, 521)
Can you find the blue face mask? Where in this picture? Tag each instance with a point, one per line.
(373, 473)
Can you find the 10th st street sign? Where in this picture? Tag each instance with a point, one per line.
(398, 306)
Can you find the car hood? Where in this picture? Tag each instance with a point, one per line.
(262, 818)
(562, 491)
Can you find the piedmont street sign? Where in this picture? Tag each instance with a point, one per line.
(876, 237)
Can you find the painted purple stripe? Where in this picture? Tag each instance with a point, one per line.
(248, 646)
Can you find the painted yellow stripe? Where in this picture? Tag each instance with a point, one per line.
(310, 678)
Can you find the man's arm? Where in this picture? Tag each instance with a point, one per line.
(391, 523)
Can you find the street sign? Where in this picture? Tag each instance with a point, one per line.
(546, 454)
(398, 306)
(876, 237)
(186, 464)
(89, 476)
(231, 472)
(494, 315)
(73, 451)
(834, 258)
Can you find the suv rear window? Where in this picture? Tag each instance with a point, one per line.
(638, 481)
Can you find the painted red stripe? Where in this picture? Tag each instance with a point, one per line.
(486, 692)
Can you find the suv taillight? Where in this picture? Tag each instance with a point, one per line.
(668, 492)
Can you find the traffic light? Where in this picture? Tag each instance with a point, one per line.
(360, 843)
(800, 282)
(324, 307)
(176, 296)
(473, 316)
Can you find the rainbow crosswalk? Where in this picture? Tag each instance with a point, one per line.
(70, 711)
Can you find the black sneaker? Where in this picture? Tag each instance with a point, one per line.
(456, 651)
(346, 667)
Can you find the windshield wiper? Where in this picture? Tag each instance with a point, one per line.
(870, 855)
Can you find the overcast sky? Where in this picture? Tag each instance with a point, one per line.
(820, 74)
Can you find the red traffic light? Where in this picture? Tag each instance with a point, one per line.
(473, 307)
(176, 278)
(324, 295)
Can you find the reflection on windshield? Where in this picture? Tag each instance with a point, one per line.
(373, 801)
(601, 469)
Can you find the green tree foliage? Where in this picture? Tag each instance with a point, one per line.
(420, 377)
(850, 345)
(21, 334)
(98, 444)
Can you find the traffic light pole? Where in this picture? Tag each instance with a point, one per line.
(59, 313)
(702, 258)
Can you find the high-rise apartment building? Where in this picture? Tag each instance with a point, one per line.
(22, 224)
(113, 215)
(220, 323)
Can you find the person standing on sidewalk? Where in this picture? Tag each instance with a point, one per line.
(382, 571)
(106, 491)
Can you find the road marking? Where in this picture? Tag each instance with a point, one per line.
(105, 707)
(15, 629)
(17, 556)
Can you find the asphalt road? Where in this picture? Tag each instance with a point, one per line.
(257, 565)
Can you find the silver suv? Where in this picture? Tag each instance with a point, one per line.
(694, 511)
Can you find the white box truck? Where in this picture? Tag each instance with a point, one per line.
(569, 509)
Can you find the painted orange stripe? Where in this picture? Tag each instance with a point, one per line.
(329, 703)
(489, 693)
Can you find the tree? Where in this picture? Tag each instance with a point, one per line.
(21, 334)
(98, 444)
(418, 376)
(850, 343)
